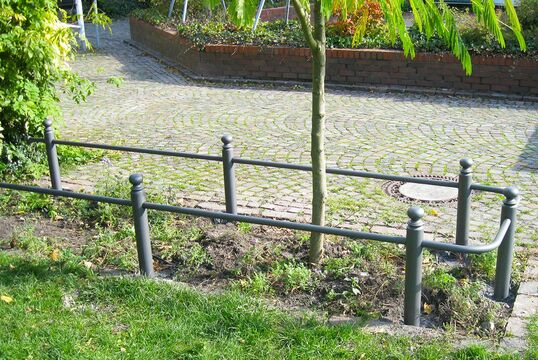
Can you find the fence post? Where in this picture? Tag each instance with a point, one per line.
(464, 202)
(52, 156)
(505, 252)
(413, 266)
(140, 217)
(229, 176)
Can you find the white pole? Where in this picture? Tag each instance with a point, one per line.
(287, 11)
(97, 35)
(258, 14)
(171, 8)
(184, 16)
(80, 21)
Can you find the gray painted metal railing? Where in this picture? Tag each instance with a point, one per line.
(414, 240)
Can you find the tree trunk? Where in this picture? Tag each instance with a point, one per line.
(319, 179)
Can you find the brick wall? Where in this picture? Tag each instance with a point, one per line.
(344, 66)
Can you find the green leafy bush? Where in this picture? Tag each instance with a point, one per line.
(340, 34)
(152, 15)
(527, 13)
(34, 49)
(120, 8)
(274, 33)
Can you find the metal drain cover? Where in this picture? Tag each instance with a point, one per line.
(412, 192)
(429, 193)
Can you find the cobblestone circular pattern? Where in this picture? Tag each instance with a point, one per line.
(399, 134)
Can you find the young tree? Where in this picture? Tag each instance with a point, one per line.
(431, 17)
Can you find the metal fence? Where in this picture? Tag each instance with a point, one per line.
(414, 240)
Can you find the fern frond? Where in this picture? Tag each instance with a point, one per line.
(242, 12)
(514, 24)
(392, 10)
(361, 29)
(485, 14)
(453, 38)
(326, 8)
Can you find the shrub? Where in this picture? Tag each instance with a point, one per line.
(33, 55)
(267, 34)
(153, 15)
(368, 15)
(117, 8)
(527, 13)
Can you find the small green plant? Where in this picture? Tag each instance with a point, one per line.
(25, 239)
(483, 265)
(196, 256)
(31, 202)
(340, 267)
(302, 236)
(258, 284)
(294, 276)
(245, 228)
(460, 303)
(361, 250)
(115, 80)
(439, 280)
(113, 248)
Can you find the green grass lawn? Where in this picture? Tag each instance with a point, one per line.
(62, 310)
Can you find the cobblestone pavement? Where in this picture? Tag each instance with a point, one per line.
(406, 134)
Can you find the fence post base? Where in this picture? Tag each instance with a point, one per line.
(413, 266)
(52, 156)
(140, 217)
(464, 202)
(229, 175)
(505, 253)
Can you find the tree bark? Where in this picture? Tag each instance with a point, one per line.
(316, 42)
(319, 178)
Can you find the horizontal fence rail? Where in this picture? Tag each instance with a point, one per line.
(414, 240)
(130, 149)
(272, 164)
(66, 193)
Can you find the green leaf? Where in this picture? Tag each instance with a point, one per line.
(514, 21)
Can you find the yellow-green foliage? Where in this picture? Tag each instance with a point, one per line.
(34, 49)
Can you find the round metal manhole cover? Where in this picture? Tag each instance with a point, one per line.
(412, 192)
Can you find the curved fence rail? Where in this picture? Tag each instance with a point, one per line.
(414, 240)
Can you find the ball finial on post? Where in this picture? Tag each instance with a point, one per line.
(47, 123)
(226, 139)
(415, 213)
(136, 179)
(466, 163)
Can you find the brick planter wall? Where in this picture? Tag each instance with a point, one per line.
(387, 68)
